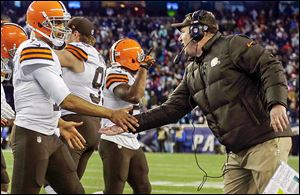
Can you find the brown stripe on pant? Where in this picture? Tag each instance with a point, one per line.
(38, 157)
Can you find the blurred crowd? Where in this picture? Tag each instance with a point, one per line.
(277, 32)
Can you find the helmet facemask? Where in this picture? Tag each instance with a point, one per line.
(141, 56)
(58, 27)
(6, 71)
(11, 52)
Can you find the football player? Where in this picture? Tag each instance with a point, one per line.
(83, 73)
(39, 93)
(125, 82)
(12, 35)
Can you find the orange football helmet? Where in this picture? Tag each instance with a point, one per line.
(128, 53)
(49, 19)
(12, 35)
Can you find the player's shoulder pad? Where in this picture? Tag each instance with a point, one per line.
(100, 57)
(96, 56)
(116, 75)
(116, 70)
(79, 50)
(37, 43)
(36, 50)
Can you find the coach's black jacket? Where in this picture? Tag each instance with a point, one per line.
(235, 82)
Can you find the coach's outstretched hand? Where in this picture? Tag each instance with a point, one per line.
(124, 119)
(113, 130)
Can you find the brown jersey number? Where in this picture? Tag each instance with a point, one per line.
(98, 73)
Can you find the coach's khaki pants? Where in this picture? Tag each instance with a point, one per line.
(249, 171)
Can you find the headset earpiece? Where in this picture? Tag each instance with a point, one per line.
(197, 30)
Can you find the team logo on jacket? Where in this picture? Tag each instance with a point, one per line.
(215, 61)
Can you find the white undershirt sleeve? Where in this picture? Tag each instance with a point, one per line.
(52, 83)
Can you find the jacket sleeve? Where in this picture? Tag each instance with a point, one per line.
(177, 105)
(255, 60)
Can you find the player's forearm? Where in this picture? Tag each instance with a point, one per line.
(137, 90)
(162, 115)
(178, 104)
(80, 106)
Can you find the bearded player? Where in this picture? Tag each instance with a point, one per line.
(83, 72)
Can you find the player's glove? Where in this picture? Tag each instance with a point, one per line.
(147, 60)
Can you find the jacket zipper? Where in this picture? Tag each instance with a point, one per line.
(202, 70)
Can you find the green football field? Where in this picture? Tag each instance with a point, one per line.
(169, 173)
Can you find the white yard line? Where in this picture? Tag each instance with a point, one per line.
(191, 184)
(179, 184)
(195, 184)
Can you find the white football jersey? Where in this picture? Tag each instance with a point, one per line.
(36, 107)
(115, 76)
(87, 84)
(6, 111)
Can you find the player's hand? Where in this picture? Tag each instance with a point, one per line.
(148, 60)
(4, 122)
(123, 119)
(71, 135)
(113, 130)
(279, 119)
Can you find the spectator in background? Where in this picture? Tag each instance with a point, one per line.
(169, 144)
(162, 135)
(180, 138)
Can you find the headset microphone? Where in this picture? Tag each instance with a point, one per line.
(178, 56)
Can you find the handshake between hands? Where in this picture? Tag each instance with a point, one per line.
(146, 61)
(122, 118)
(121, 126)
(113, 130)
